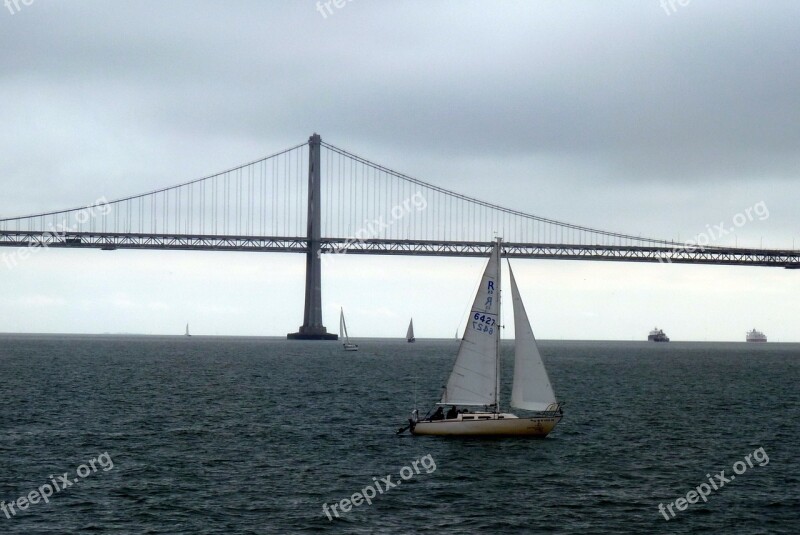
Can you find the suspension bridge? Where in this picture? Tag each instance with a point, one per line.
(318, 199)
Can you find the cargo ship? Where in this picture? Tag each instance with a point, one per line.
(756, 336)
(657, 335)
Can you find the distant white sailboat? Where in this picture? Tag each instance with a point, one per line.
(410, 332)
(343, 334)
(187, 330)
(475, 379)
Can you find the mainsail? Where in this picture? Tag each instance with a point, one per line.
(474, 379)
(531, 390)
(343, 327)
(410, 332)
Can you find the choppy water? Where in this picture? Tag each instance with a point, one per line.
(237, 435)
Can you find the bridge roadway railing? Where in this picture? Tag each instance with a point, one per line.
(668, 253)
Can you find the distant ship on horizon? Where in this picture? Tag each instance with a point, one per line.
(657, 335)
(756, 336)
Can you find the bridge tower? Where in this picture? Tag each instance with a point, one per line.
(312, 328)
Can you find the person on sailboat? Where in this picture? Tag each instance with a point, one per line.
(438, 415)
(452, 413)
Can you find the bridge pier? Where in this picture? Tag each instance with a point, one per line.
(312, 328)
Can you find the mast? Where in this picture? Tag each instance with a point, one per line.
(499, 326)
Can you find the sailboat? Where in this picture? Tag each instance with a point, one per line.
(410, 332)
(187, 330)
(343, 334)
(474, 383)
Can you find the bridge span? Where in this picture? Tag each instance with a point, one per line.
(728, 256)
(281, 203)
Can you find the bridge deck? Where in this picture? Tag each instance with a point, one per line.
(620, 253)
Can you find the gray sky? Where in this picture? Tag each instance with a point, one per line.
(627, 116)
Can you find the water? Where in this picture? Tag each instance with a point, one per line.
(249, 435)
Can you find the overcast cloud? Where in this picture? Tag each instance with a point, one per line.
(615, 115)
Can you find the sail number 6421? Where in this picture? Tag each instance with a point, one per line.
(483, 318)
(483, 323)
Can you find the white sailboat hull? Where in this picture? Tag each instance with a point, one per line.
(488, 425)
